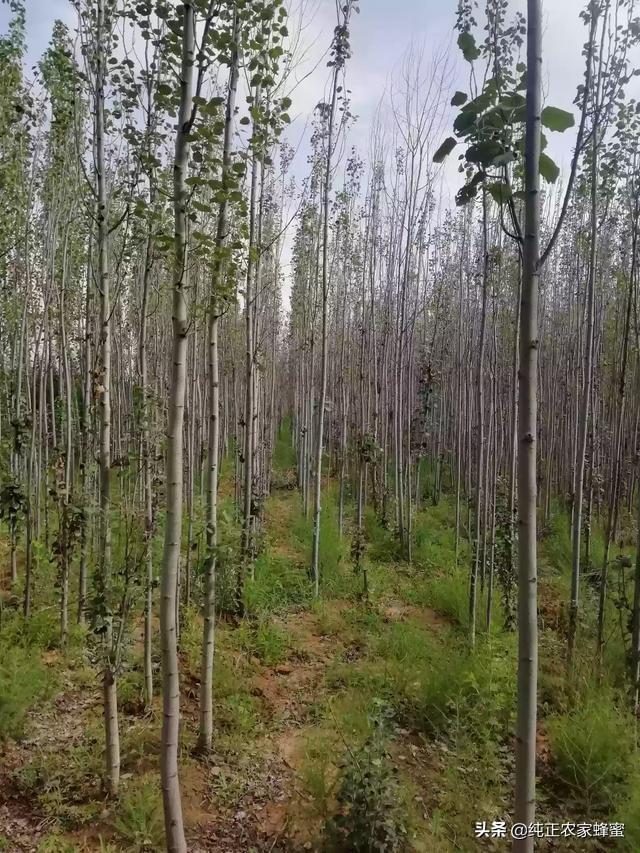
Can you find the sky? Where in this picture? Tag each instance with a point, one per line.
(381, 35)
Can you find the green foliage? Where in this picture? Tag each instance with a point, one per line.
(548, 169)
(40, 631)
(372, 816)
(237, 717)
(138, 822)
(629, 814)
(24, 680)
(284, 455)
(491, 124)
(383, 546)
(13, 503)
(556, 119)
(191, 639)
(437, 685)
(56, 843)
(319, 773)
(279, 583)
(449, 595)
(264, 640)
(131, 692)
(67, 790)
(331, 550)
(401, 641)
(594, 751)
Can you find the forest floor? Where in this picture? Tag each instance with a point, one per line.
(309, 694)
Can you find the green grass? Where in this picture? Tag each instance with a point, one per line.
(278, 585)
(263, 640)
(139, 824)
(593, 749)
(24, 681)
(284, 455)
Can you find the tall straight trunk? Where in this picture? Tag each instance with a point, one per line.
(65, 532)
(249, 391)
(513, 461)
(478, 556)
(583, 420)
(205, 735)
(146, 476)
(525, 772)
(173, 821)
(459, 399)
(315, 548)
(612, 520)
(109, 684)
(85, 427)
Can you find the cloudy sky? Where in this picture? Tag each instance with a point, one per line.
(381, 35)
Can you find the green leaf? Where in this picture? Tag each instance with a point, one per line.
(464, 122)
(557, 119)
(469, 191)
(484, 152)
(445, 149)
(467, 45)
(548, 169)
(458, 99)
(499, 191)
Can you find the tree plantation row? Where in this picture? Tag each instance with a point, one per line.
(315, 456)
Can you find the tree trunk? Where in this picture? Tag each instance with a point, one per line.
(174, 827)
(205, 735)
(525, 782)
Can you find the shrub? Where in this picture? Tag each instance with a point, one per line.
(279, 583)
(237, 716)
(447, 689)
(318, 773)
(23, 681)
(383, 546)
(372, 816)
(629, 814)
(191, 639)
(56, 843)
(593, 750)
(131, 692)
(139, 822)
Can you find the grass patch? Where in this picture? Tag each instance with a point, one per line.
(24, 681)
(264, 640)
(279, 584)
(138, 823)
(593, 749)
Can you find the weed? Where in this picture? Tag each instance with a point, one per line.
(237, 716)
(131, 692)
(264, 640)
(23, 682)
(593, 751)
(278, 585)
(319, 773)
(139, 823)
(56, 843)
(372, 815)
(191, 639)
